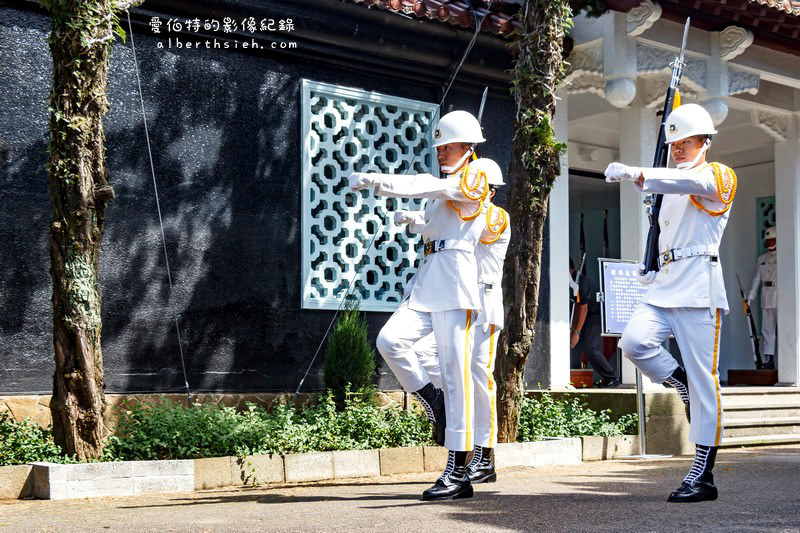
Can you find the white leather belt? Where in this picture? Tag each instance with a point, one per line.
(431, 247)
(676, 254)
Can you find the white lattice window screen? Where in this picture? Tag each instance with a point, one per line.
(348, 130)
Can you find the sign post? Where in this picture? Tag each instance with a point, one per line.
(620, 293)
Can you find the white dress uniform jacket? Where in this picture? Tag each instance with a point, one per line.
(445, 280)
(694, 213)
(766, 274)
(490, 254)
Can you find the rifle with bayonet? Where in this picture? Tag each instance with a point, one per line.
(653, 201)
(752, 323)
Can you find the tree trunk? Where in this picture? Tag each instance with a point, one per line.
(80, 42)
(535, 164)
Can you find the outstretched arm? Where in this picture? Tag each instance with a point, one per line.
(469, 186)
(667, 180)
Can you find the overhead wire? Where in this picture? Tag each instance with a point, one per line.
(160, 218)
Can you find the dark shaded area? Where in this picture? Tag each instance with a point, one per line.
(224, 129)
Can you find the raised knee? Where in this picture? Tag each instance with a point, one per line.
(631, 345)
(388, 344)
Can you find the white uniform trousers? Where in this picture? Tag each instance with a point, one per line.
(483, 358)
(769, 329)
(453, 332)
(697, 334)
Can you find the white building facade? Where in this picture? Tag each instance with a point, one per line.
(618, 75)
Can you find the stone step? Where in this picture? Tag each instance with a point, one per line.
(755, 413)
(740, 403)
(763, 431)
(760, 440)
(759, 391)
(763, 422)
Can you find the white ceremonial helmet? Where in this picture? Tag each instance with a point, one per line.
(494, 176)
(771, 233)
(688, 120)
(458, 127)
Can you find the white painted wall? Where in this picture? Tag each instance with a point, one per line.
(787, 203)
(558, 213)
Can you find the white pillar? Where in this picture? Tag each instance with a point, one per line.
(638, 132)
(787, 209)
(558, 236)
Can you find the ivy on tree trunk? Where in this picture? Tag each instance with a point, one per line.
(535, 165)
(80, 43)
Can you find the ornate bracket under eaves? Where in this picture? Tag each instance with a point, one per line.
(776, 125)
(642, 17)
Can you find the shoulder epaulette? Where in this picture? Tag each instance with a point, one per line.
(726, 184)
(496, 224)
(475, 188)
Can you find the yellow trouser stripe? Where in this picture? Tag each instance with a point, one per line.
(716, 381)
(493, 415)
(468, 382)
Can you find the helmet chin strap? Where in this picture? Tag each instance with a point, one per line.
(452, 169)
(689, 165)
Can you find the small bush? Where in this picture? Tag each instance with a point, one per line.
(166, 430)
(26, 442)
(568, 417)
(349, 358)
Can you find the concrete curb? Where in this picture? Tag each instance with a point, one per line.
(602, 448)
(88, 480)
(16, 482)
(127, 478)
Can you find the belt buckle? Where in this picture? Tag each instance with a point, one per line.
(666, 258)
(428, 248)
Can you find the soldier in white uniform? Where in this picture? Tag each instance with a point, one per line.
(444, 294)
(766, 279)
(687, 294)
(490, 253)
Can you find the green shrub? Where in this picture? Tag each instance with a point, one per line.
(26, 442)
(166, 430)
(548, 416)
(349, 358)
(629, 424)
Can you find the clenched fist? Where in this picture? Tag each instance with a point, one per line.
(361, 180)
(402, 217)
(616, 172)
(646, 278)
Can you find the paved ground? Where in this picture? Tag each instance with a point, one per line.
(759, 491)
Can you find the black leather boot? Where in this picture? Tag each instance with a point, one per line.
(680, 382)
(699, 490)
(452, 485)
(432, 400)
(698, 485)
(481, 469)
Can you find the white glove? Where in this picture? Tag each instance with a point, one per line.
(402, 217)
(361, 180)
(648, 278)
(574, 286)
(616, 172)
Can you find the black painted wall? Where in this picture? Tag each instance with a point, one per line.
(224, 128)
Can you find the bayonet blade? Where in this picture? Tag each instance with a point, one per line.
(483, 104)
